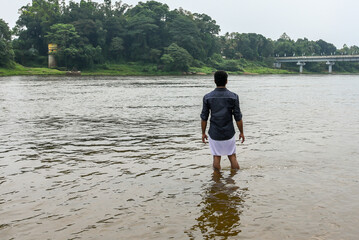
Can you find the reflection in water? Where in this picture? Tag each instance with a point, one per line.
(220, 214)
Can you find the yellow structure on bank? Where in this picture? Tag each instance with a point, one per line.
(52, 49)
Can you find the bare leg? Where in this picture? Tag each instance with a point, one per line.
(217, 163)
(233, 159)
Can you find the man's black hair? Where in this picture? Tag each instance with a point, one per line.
(220, 78)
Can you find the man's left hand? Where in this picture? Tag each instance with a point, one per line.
(241, 136)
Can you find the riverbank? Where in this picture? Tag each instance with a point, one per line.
(146, 69)
(18, 70)
(136, 69)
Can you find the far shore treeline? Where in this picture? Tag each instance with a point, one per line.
(93, 35)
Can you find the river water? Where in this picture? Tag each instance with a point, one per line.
(122, 158)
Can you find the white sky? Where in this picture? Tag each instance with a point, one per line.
(334, 21)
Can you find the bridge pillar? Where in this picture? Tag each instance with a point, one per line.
(52, 61)
(300, 64)
(330, 66)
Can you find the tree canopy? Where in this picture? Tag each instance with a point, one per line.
(115, 31)
(89, 33)
(6, 51)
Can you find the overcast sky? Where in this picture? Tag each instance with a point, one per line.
(334, 21)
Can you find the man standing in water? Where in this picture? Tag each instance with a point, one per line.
(222, 104)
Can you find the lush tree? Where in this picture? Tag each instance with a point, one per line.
(326, 48)
(354, 50)
(139, 33)
(146, 30)
(66, 37)
(116, 48)
(140, 28)
(306, 47)
(34, 23)
(176, 58)
(114, 24)
(284, 46)
(88, 56)
(71, 51)
(208, 32)
(284, 37)
(184, 32)
(6, 51)
(250, 46)
(87, 18)
(197, 33)
(229, 46)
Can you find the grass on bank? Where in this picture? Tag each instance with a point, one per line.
(239, 66)
(265, 70)
(19, 70)
(244, 68)
(127, 69)
(144, 69)
(257, 67)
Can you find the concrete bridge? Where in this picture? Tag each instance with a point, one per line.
(330, 60)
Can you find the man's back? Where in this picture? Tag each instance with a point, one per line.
(222, 104)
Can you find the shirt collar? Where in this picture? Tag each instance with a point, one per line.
(220, 89)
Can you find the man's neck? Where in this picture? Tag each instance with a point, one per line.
(221, 87)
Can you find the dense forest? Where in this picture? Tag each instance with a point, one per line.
(91, 34)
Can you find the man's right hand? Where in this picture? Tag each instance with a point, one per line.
(204, 137)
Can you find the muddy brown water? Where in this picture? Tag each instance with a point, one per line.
(122, 158)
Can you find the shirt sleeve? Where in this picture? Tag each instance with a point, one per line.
(205, 110)
(237, 110)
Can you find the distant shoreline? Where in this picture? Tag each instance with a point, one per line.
(136, 70)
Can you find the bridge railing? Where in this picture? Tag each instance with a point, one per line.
(331, 58)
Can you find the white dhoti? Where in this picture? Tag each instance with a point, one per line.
(222, 148)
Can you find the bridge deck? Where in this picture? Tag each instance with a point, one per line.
(332, 58)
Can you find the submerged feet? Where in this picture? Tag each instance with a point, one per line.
(232, 159)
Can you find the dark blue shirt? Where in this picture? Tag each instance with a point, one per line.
(223, 104)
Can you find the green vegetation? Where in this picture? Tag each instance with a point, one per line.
(136, 69)
(128, 69)
(17, 69)
(113, 38)
(6, 51)
(89, 34)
